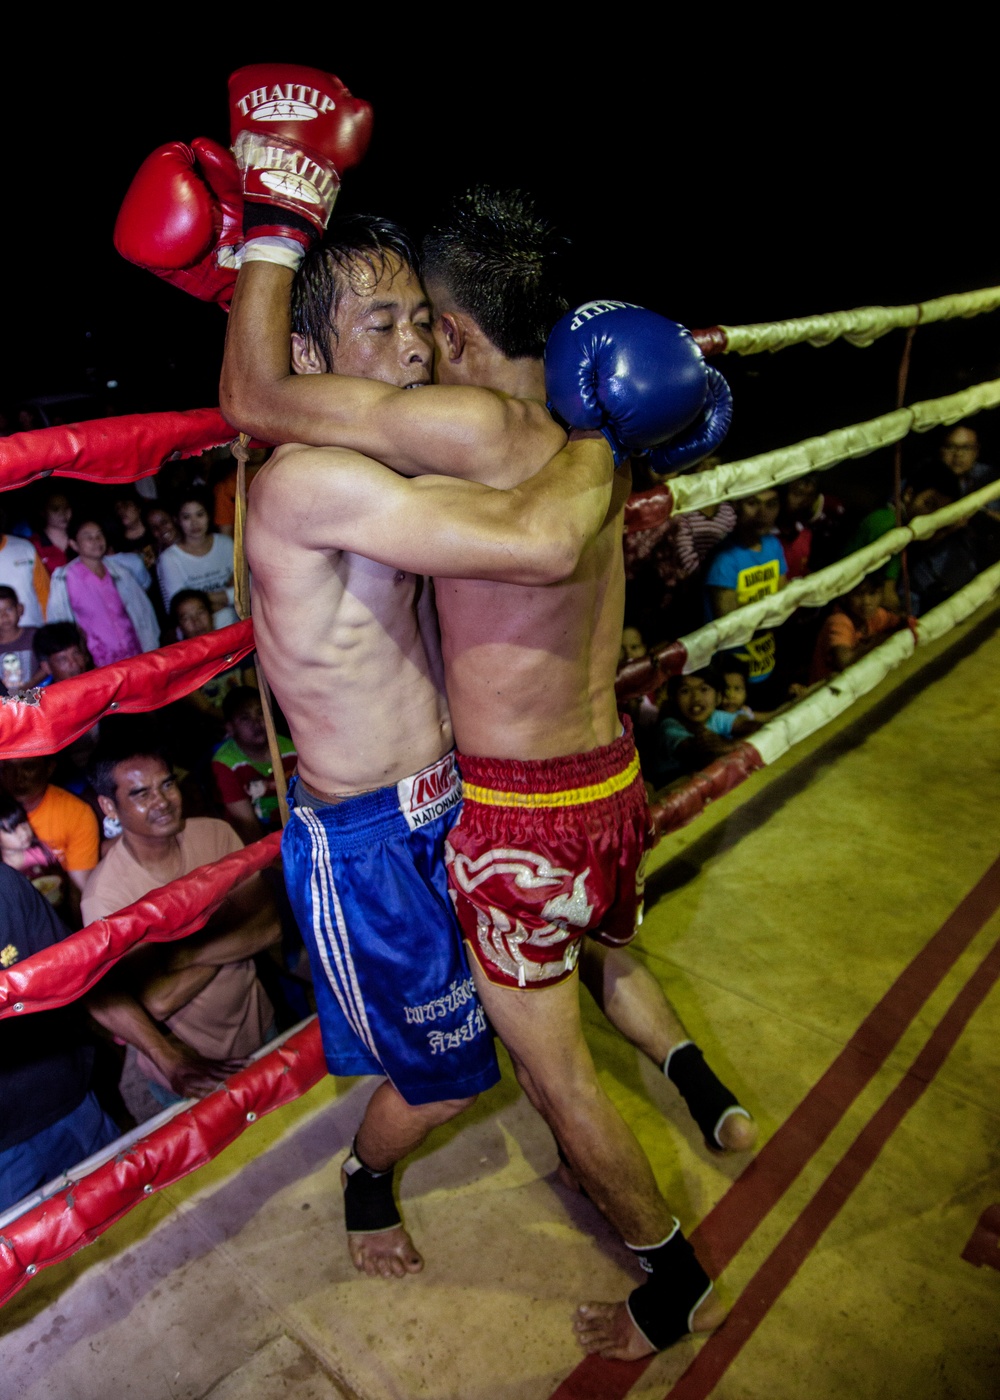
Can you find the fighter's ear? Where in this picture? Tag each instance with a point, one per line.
(306, 359)
(453, 334)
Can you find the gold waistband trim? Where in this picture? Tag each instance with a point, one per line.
(568, 797)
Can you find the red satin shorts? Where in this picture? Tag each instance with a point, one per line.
(545, 851)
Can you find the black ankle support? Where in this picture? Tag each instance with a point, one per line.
(369, 1206)
(702, 1090)
(663, 1306)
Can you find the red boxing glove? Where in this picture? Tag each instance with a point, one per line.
(294, 130)
(182, 218)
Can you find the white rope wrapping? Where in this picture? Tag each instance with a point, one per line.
(735, 479)
(779, 734)
(959, 606)
(736, 628)
(861, 326)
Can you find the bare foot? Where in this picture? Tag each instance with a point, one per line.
(738, 1134)
(383, 1253)
(608, 1329)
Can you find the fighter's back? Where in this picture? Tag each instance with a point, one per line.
(347, 646)
(530, 670)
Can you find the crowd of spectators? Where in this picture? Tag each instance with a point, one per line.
(90, 576)
(703, 564)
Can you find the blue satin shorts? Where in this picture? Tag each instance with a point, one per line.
(366, 879)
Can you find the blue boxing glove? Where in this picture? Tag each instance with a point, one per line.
(637, 377)
(704, 435)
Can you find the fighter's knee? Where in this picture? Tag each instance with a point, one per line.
(446, 1109)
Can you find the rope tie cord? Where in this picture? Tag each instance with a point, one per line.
(241, 578)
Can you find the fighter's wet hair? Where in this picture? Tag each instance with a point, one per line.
(504, 264)
(330, 268)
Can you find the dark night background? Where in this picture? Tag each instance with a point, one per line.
(738, 195)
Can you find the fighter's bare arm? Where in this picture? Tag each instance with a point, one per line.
(455, 431)
(330, 498)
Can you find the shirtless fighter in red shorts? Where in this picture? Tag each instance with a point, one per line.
(530, 677)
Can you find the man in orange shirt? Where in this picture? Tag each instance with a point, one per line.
(64, 822)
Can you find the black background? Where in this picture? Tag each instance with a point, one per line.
(749, 187)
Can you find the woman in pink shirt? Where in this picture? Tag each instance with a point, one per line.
(105, 595)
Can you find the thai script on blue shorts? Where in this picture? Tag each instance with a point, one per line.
(366, 878)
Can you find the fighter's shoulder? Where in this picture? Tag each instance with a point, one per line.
(291, 466)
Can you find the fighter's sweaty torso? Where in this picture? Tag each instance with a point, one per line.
(530, 671)
(349, 648)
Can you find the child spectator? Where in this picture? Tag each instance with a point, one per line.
(21, 849)
(191, 616)
(633, 646)
(63, 655)
(51, 539)
(200, 559)
(692, 729)
(735, 676)
(61, 651)
(20, 667)
(930, 488)
(856, 625)
(63, 822)
(810, 523)
(242, 767)
(106, 597)
(749, 569)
